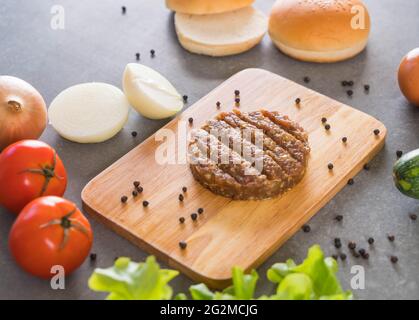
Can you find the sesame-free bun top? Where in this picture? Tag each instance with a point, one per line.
(320, 30)
(206, 6)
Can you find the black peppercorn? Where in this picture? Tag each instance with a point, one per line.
(366, 166)
(93, 256)
(200, 210)
(344, 83)
(194, 216)
(182, 245)
(351, 182)
(330, 166)
(350, 83)
(237, 100)
(139, 189)
(339, 217)
(136, 184)
(180, 197)
(184, 189)
(399, 154)
(124, 10)
(324, 120)
(182, 220)
(135, 193)
(376, 132)
(134, 133)
(306, 228)
(338, 243)
(306, 79)
(349, 93)
(124, 199)
(413, 216)
(344, 139)
(190, 120)
(137, 56)
(361, 251)
(391, 237)
(327, 127)
(218, 104)
(343, 256)
(394, 259)
(185, 98)
(152, 52)
(352, 245)
(236, 92)
(366, 87)
(297, 101)
(145, 203)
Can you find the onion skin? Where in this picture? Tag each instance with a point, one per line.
(23, 113)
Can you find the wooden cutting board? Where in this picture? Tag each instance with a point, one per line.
(232, 233)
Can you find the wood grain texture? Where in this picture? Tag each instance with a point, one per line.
(229, 233)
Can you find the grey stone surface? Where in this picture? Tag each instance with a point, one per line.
(97, 43)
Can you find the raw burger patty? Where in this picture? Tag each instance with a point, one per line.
(247, 156)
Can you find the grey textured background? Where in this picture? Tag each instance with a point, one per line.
(96, 45)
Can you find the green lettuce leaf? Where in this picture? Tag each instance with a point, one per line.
(128, 280)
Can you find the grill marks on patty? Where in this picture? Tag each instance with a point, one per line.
(249, 155)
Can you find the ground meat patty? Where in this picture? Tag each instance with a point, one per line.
(246, 156)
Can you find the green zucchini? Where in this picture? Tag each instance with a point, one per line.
(406, 174)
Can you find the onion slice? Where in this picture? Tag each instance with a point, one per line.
(89, 112)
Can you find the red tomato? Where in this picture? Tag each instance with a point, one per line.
(50, 231)
(29, 169)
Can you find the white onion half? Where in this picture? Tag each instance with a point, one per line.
(151, 94)
(89, 112)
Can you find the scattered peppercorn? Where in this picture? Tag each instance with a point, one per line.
(140, 189)
(338, 243)
(327, 127)
(349, 93)
(124, 10)
(361, 251)
(236, 92)
(297, 101)
(366, 87)
(376, 132)
(183, 245)
(124, 199)
(135, 193)
(394, 259)
(194, 216)
(145, 203)
(371, 240)
(152, 53)
(237, 100)
(366, 256)
(350, 83)
(352, 245)
(339, 217)
(137, 56)
(136, 184)
(344, 83)
(93, 257)
(413, 216)
(180, 197)
(200, 210)
(399, 154)
(190, 120)
(185, 98)
(391, 237)
(306, 228)
(344, 139)
(324, 120)
(351, 182)
(184, 189)
(343, 256)
(182, 220)
(366, 166)
(330, 166)
(134, 133)
(306, 79)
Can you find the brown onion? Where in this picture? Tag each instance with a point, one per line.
(23, 113)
